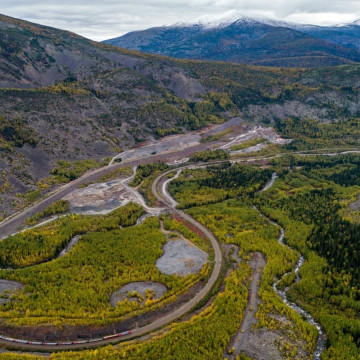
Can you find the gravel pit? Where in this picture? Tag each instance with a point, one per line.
(181, 258)
(132, 290)
(99, 198)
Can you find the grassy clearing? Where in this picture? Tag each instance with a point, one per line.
(247, 144)
(215, 137)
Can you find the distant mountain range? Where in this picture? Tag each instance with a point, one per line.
(251, 41)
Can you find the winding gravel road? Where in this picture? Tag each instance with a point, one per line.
(11, 224)
(168, 318)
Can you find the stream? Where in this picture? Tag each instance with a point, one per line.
(320, 344)
(70, 245)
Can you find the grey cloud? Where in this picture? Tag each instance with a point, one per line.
(111, 18)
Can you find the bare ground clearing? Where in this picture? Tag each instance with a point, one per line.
(6, 288)
(181, 257)
(99, 198)
(132, 291)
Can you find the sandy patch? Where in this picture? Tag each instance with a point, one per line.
(355, 206)
(265, 344)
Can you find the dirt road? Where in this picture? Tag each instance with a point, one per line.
(249, 319)
(11, 224)
(182, 310)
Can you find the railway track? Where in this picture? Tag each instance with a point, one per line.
(137, 332)
(11, 224)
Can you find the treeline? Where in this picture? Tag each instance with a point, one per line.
(217, 183)
(66, 171)
(58, 207)
(310, 133)
(75, 289)
(236, 222)
(144, 177)
(236, 176)
(204, 336)
(310, 208)
(144, 171)
(342, 169)
(208, 155)
(333, 237)
(338, 240)
(16, 133)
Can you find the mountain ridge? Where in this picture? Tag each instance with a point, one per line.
(249, 40)
(64, 97)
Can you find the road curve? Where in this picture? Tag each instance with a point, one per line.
(182, 310)
(10, 225)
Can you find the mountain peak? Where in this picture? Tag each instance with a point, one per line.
(254, 40)
(224, 20)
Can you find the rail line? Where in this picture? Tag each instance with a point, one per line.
(137, 332)
(14, 221)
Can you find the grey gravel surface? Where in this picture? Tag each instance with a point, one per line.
(181, 257)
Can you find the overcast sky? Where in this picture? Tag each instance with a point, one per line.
(100, 20)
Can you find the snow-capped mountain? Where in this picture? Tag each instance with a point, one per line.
(259, 41)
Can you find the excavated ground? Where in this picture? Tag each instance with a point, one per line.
(181, 257)
(99, 198)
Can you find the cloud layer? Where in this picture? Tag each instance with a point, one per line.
(110, 18)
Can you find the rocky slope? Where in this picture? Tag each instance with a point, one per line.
(65, 97)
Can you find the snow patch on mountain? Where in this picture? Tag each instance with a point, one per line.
(227, 19)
